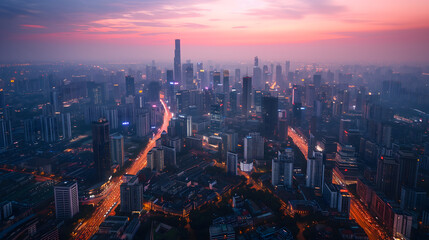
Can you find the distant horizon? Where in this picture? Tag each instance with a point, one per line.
(331, 31)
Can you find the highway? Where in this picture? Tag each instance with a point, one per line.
(90, 226)
(299, 141)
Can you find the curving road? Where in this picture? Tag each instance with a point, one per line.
(90, 226)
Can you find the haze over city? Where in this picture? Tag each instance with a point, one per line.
(232, 120)
(131, 31)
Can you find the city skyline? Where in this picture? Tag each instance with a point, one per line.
(359, 32)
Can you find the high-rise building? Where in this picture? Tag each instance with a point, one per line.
(282, 168)
(131, 195)
(269, 115)
(155, 159)
(233, 101)
(143, 124)
(101, 149)
(177, 62)
(279, 76)
(188, 75)
(64, 126)
(225, 82)
(315, 171)
(246, 95)
(28, 131)
(237, 76)
(129, 86)
(344, 199)
(231, 163)
(5, 133)
(216, 81)
(49, 129)
(66, 200)
(387, 178)
(408, 168)
(283, 129)
(253, 147)
(117, 149)
(317, 80)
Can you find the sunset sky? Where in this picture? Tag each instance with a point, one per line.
(141, 30)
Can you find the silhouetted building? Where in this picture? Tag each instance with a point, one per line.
(66, 200)
(246, 95)
(101, 149)
(269, 115)
(177, 62)
(129, 86)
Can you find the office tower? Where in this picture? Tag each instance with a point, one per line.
(231, 138)
(345, 101)
(216, 80)
(64, 127)
(360, 98)
(282, 168)
(217, 112)
(231, 163)
(48, 129)
(28, 131)
(253, 147)
(155, 159)
(246, 95)
(317, 80)
(143, 124)
(183, 100)
(237, 76)
(55, 100)
(330, 194)
(116, 93)
(283, 129)
(225, 82)
(256, 62)
(188, 75)
(315, 171)
(310, 95)
(112, 117)
(257, 77)
(233, 101)
(101, 149)
(153, 91)
(117, 149)
(5, 133)
(129, 86)
(257, 100)
(265, 74)
(66, 200)
(169, 156)
(131, 195)
(344, 198)
(408, 168)
(183, 126)
(279, 76)
(287, 69)
(345, 126)
(269, 115)
(177, 63)
(387, 178)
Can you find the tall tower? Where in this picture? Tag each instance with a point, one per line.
(231, 163)
(247, 90)
(129, 86)
(282, 168)
(177, 62)
(66, 200)
(117, 149)
(101, 148)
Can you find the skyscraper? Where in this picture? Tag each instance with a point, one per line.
(101, 149)
(269, 115)
(282, 168)
(117, 149)
(5, 133)
(131, 195)
(279, 76)
(188, 75)
(49, 129)
(129, 86)
(253, 147)
(246, 95)
(315, 171)
(231, 163)
(66, 200)
(177, 62)
(225, 82)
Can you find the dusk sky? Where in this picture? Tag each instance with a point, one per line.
(382, 31)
